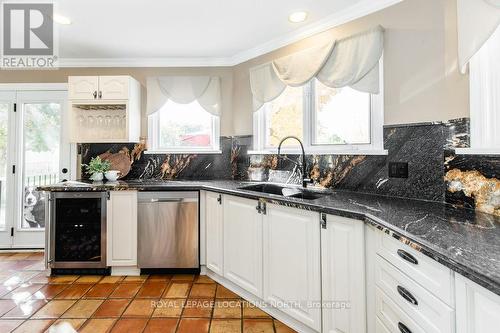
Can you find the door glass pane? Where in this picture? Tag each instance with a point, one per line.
(4, 112)
(42, 129)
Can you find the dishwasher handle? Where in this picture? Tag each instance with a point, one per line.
(161, 200)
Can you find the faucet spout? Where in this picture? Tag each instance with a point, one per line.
(305, 180)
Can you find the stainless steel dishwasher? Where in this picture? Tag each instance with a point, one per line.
(168, 230)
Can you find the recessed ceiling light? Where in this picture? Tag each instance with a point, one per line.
(297, 17)
(61, 19)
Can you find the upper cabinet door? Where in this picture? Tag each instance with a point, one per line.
(292, 262)
(243, 244)
(83, 87)
(113, 87)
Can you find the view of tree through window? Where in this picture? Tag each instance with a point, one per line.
(185, 125)
(342, 116)
(42, 136)
(284, 117)
(339, 117)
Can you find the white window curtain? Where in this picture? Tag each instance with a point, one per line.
(352, 61)
(184, 90)
(477, 20)
(485, 95)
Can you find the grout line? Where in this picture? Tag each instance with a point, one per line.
(168, 283)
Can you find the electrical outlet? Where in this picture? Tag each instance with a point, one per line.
(398, 169)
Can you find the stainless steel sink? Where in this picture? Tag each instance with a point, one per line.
(286, 191)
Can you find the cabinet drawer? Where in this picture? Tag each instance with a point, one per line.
(379, 327)
(430, 274)
(432, 314)
(390, 318)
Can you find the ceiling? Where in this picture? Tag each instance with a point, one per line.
(192, 32)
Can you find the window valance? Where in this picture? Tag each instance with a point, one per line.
(184, 90)
(477, 21)
(352, 61)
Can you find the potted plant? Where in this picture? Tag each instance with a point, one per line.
(96, 168)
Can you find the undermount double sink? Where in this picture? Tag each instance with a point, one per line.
(286, 191)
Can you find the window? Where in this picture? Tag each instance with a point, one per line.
(485, 98)
(327, 120)
(183, 128)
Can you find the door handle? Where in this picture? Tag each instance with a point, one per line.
(100, 94)
(403, 329)
(161, 200)
(95, 94)
(407, 295)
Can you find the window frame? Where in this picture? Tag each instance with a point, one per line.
(483, 114)
(154, 138)
(375, 147)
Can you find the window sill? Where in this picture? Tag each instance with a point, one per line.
(184, 152)
(477, 151)
(381, 152)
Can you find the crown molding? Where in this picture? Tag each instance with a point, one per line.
(145, 62)
(359, 10)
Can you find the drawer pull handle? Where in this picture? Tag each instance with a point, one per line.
(408, 257)
(403, 329)
(407, 295)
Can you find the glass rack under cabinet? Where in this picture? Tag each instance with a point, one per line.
(99, 123)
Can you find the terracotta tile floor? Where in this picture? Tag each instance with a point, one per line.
(32, 302)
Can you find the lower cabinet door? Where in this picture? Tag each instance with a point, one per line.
(343, 275)
(478, 309)
(214, 227)
(243, 244)
(292, 279)
(122, 228)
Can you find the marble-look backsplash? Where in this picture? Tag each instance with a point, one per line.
(421, 145)
(227, 165)
(435, 172)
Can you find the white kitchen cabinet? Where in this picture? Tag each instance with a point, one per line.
(243, 244)
(83, 87)
(104, 109)
(214, 232)
(100, 87)
(292, 276)
(478, 309)
(122, 228)
(343, 274)
(114, 87)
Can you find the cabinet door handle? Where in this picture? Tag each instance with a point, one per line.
(408, 257)
(219, 199)
(403, 329)
(407, 295)
(95, 94)
(100, 94)
(258, 208)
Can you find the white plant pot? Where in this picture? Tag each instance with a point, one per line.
(97, 177)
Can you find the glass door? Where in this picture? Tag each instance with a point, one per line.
(7, 125)
(42, 158)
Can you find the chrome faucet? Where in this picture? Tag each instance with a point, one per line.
(305, 180)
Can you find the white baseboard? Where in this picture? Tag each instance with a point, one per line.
(272, 311)
(125, 270)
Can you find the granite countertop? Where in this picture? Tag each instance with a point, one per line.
(466, 241)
